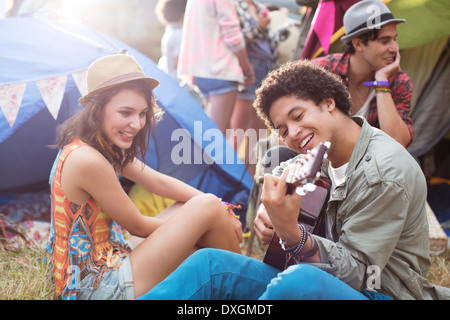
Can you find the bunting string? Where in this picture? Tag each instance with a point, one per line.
(52, 92)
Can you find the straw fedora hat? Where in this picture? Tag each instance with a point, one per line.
(365, 16)
(112, 70)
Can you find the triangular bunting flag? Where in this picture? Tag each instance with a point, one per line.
(80, 79)
(10, 99)
(52, 91)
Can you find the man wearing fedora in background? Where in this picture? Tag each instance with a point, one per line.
(370, 68)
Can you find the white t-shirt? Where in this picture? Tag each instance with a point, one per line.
(337, 177)
(364, 111)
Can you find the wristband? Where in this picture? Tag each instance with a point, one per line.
(376, 83)
(383, 89)
(296, 249)
(312, 250)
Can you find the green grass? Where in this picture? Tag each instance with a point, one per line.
(25, 276)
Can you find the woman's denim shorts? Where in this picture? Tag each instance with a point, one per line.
(213, 87)
(114, 284)
(261, 67)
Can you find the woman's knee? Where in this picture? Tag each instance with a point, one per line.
(206, 200)
(205, 205)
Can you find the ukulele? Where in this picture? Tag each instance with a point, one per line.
(304, 178)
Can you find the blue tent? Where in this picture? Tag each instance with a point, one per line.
(34, 49)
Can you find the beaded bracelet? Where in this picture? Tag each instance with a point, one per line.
(382, 89)
(296, 249)
(230, 207)
(308, 254)
(312, 250)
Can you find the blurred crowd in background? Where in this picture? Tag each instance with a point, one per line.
(131, 21)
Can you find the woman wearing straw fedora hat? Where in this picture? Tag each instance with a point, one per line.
(88, 254)
(370, 67)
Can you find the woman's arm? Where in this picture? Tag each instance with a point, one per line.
(158, 183)
(87, 174)
(167, 187)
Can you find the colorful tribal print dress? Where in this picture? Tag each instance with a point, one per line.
(83, 239)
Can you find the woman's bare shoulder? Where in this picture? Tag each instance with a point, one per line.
(87, 160)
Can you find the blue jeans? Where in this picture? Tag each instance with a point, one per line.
(213, 274)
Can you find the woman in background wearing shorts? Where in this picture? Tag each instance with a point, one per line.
(213, 53)
(262, 51)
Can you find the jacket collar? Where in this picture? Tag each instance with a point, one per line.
(362, 144)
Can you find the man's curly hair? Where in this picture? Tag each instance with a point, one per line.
(304, 80)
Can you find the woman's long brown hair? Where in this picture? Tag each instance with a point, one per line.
(86, 125)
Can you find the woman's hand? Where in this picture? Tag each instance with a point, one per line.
(237, 226)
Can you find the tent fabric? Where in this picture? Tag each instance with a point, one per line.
(35, 49)
(420, 63)
(426, 21)
(431, 116)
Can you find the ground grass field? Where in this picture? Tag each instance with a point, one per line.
(25, 275)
